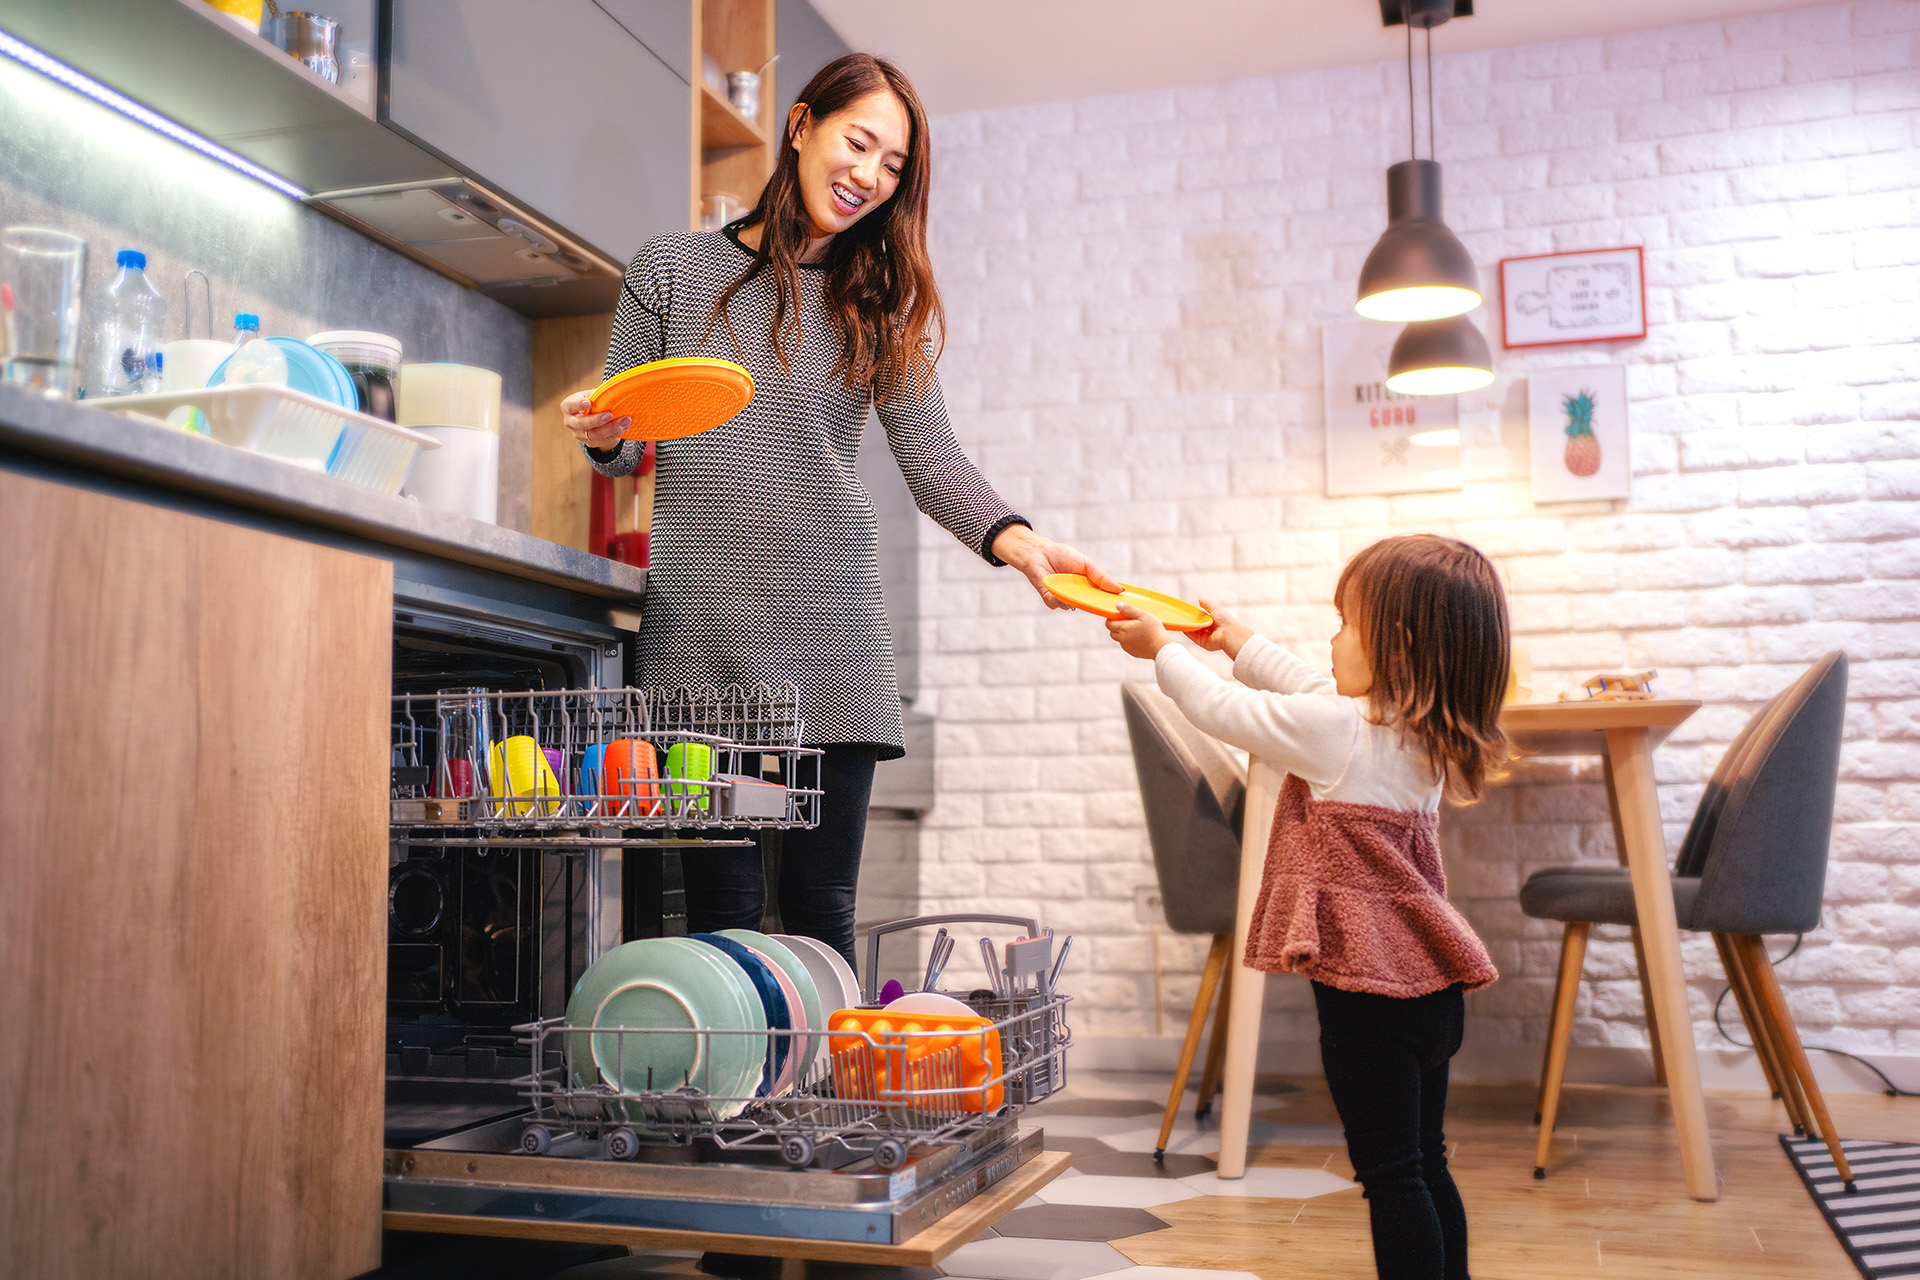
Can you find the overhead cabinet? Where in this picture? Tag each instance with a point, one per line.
(523, 149)
(559, 105)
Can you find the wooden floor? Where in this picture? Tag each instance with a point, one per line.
(1611, 1204)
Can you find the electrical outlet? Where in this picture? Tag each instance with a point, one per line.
(1147, 907)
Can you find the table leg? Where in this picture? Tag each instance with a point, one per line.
(1249, 987)
(1631, 758)
(1639, 950)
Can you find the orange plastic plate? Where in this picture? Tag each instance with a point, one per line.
(1176, 614)
(671, 399)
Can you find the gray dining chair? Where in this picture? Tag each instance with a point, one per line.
(1754, 862)
(1194, 793)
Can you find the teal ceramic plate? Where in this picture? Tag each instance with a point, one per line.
(812, 1016)
(675, 984)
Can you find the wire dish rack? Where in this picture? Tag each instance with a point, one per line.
(555, 765)
(879, 1094)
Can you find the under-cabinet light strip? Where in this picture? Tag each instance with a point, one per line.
(54, 69)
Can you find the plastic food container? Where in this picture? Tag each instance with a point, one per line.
(448, 395)
(372, 360)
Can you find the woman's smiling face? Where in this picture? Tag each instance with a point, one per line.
(850, 162)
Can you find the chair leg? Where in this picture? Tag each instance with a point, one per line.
(1217, 1046)
(1209, 979)
(1774, 1002)
(1763, 1047)
(1573, 954)
(1793, 1095)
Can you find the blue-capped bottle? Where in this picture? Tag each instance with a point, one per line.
(128, 316)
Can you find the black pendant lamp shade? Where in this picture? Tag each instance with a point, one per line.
(1419, 270)
(1439, 358)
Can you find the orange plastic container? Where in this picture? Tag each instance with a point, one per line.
(896, 1054)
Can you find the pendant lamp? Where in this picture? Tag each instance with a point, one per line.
(1439, 358)
(1418, 270)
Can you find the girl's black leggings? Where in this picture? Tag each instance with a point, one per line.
(1386, 1065)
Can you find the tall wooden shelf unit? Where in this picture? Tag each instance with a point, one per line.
(729, 154)
(732, 154)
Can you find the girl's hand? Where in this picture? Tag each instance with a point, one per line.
(1036, 557)
(1225, 635)
(1140, 634)
(595, 430)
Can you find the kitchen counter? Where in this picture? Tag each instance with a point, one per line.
(81, 443)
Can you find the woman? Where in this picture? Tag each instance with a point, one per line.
(764, 542)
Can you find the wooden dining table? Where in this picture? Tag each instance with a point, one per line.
(1623, 735)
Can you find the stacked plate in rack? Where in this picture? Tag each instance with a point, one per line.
(637, 1014)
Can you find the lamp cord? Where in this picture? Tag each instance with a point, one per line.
(1431, 154)
(1413, 138)
(1892, 1090)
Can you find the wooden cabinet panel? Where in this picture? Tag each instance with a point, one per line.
(192, 885)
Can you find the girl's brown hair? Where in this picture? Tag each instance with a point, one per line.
(1433, 622)
(879, 279)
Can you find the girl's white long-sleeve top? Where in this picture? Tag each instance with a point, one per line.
(1287, 713)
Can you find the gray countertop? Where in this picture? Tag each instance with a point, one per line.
(92, 439)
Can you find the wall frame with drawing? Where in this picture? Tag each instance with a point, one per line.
(1599, 295)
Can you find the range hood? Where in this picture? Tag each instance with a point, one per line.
(484, 240)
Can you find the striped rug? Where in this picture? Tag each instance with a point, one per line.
(1879, 1222)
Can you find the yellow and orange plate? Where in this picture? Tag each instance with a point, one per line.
(672, 399)
(1174, 613)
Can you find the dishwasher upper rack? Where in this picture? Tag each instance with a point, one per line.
(449, 764)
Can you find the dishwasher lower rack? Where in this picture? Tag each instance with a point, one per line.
(600, 767)
(885, 1096)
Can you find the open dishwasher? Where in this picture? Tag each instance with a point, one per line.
(899, 1140)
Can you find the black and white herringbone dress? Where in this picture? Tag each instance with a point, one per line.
(765, 563)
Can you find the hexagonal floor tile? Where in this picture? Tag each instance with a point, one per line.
(1135, 1164)
(1272, 1184)
(1116, 1193)
(1069, 1105)
(1071, 1126)
(1078, 1222)
(1186, 1140)
(1011, 1258)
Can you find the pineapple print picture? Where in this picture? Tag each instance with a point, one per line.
(1583, 447)
(1577, 431)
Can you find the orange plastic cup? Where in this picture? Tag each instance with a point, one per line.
(631, 768)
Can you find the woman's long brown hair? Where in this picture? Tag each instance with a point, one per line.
(1433, 622)
(879, 280)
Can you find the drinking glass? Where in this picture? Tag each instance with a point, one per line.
(40, 308)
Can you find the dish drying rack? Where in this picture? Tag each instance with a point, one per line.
(447, 791)
(845, 1110)
(295, 427)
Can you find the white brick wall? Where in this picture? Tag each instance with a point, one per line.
(1135, 285)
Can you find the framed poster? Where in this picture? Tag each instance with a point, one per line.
(1380, 441)
(1598, 296)
(1577, 429)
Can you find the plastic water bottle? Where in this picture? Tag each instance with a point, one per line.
(128, 316)
(257, 362)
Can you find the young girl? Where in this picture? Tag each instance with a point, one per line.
(1354, 896)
